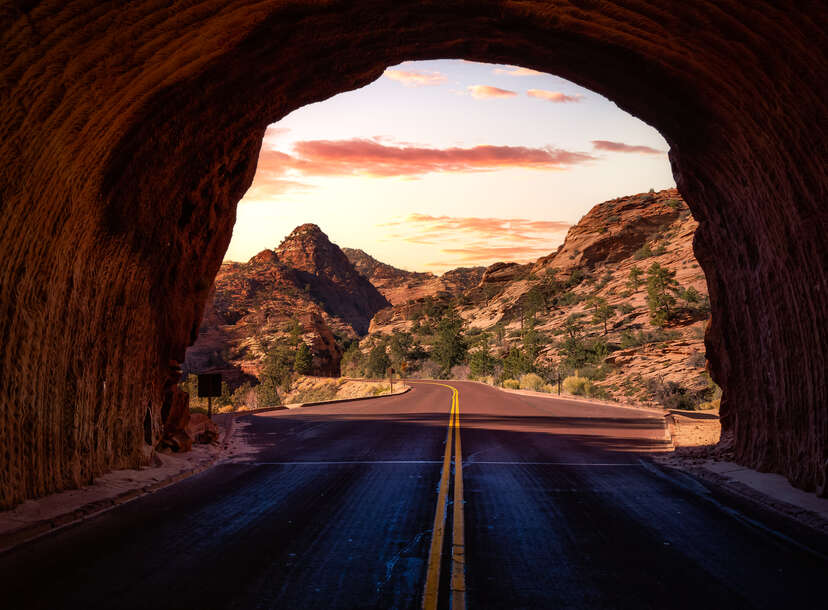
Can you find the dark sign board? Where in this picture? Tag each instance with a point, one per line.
(209, 384)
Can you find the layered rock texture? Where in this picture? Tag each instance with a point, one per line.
(305, 286)
(130, 131)
(594, 262)
(400, 286)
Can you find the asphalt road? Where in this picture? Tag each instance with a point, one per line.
(334, 507)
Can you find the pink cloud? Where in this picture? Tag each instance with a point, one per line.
(480, 92)
(516, 71)
(624, 148)
(411, 78)
(373, 158)
(554, 96)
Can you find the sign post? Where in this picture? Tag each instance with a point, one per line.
(209, 385)
(390, 373)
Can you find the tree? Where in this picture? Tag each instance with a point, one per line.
(450, 346)
(295, 331)
(535, 301)
(635, 279)
(277, 370)
(516, 363)
(532, 339)
(400, 347)
(353, 361)
(601, 312)
(303, 361)
(661, 286)
(481, 362)
(378, 361)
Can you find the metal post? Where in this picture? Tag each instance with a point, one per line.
(210, 407)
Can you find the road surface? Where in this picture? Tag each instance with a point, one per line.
(339, 506)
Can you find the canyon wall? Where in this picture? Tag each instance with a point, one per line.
(128, 133)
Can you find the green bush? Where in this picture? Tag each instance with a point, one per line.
(580, 386)
(531, 381)
(512, 384)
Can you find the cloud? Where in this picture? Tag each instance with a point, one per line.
(481, 92)
(554, 96)
(485, 235)
(624, 148)
(477, 255)
(362, 157)
(517, 71)
(412, 78)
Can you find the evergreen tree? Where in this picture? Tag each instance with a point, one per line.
(450, 346)
(378, 361)
(635, 279)
(303, 361)
(661, 286)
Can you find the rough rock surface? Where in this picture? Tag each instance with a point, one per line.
(400, 286)
(130, 131)
(612, 238)
(307, 281)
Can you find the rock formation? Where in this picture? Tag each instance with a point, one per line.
(400, 286)
(129, 133)
(306, 282)
(602, 248)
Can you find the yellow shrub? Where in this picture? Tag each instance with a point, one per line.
(580, 386)
(530, 381)
(512, 384)
(549, 388)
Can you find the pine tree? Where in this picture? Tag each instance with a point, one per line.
(303, 362)
(661, 287)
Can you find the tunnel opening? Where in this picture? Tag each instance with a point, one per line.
(467, 177)
(140, 180)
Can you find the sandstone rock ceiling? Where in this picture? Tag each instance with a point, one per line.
(129, 132)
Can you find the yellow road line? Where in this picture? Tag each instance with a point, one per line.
(458, 542)
(432, 584)
(458, 560)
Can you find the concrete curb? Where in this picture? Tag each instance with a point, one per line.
(299, 405)
(32, 531)
(787, 522)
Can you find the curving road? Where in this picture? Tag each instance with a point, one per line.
(335, 507)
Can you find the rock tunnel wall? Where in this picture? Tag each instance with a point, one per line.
(129, 132)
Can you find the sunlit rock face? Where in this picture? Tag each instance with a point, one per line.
(129, 132)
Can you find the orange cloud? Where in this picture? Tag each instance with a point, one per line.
(372, 158)
(477, 240)
(477, 255)
(624, 148)
(554, 96)
(516, 71)
(480, 92)
(411, 78)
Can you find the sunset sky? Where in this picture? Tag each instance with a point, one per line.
(440, 164)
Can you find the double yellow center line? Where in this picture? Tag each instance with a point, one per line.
(458, 544)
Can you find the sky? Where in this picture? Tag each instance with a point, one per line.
(447, 163)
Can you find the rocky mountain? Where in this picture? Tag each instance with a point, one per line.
(400, 286)
(582, 310)
(567, 293)
(307, 286)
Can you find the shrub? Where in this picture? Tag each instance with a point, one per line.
(549, 388)
(531, 381)
(643, 252)
(713, 404)
(512, 384)
(626, 308)
(580, 386)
